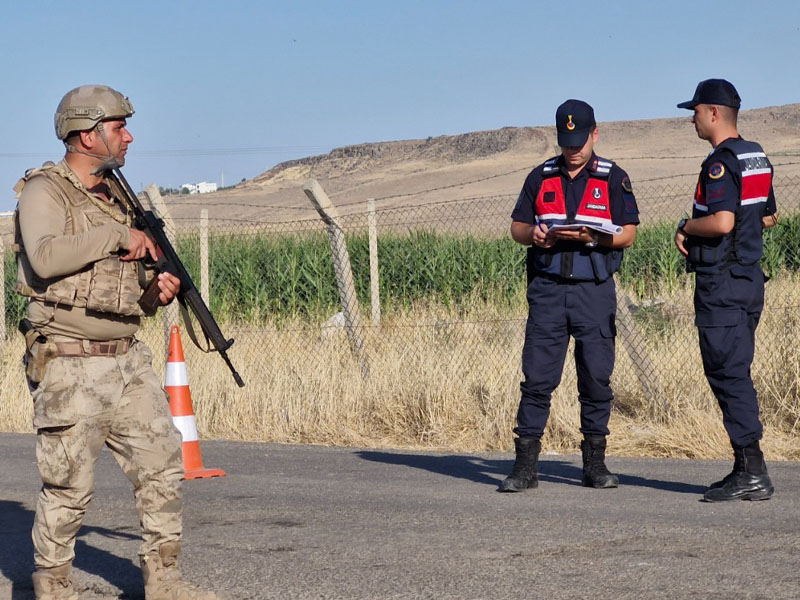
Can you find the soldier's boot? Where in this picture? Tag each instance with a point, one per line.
(162, 579)
(54, 584)
(749, 479)
(595, 472)
(738, 466)
(524, 474)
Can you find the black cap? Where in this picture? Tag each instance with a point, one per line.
(574, 122)
(714, 91)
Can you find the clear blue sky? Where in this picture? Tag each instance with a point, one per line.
(236, 87)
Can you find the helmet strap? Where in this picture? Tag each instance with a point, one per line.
(109, 161)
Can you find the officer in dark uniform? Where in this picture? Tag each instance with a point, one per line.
(733, 203)
(571, 289)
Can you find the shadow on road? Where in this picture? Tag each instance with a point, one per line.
(16, 555)
(491, 472)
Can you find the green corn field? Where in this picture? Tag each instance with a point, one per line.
(259, 278)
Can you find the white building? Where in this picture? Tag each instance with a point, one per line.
(204, 187)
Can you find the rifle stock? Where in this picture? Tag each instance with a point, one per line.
(170, 262)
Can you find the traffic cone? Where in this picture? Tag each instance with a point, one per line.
(180, 403)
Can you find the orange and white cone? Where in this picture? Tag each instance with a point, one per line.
(180, 403)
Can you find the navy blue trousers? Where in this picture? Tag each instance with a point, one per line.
(557, 310)
(728, 307)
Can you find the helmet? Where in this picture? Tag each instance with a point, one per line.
(85, 106)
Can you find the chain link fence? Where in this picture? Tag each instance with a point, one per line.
(428, 352)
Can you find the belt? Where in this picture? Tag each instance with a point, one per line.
(564, 280)
(94, 348)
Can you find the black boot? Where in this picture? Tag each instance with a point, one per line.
(523, 475)
(738, 467)
(595, 473)
(748, 480)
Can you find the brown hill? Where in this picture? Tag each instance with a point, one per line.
(659, 155)
(655, 152)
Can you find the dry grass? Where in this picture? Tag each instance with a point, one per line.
(449, 379)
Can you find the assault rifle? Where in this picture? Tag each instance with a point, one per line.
(168, 260)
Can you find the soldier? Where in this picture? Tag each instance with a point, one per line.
(91, 380)
(733, 203)
(571, 289)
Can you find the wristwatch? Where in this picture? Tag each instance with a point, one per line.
(595, 239)
(681, 225)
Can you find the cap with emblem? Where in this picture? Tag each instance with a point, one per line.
(714, 91)
(574, 122)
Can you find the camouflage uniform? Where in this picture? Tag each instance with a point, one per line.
(82, 404)
(92, 383)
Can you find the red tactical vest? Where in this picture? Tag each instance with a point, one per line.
(743, 244)
(577, 262)
(594, 209)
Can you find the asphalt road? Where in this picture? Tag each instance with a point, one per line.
(314, 522)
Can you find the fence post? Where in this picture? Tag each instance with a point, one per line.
(204, 281)
(636, 347)
(374, 282)
(341, 262)
(170, 312)
(2, 291)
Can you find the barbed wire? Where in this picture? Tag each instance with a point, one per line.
(645, 195)
(388, 209)
(637, 183)
(776, 183)
(390, 326)
(479, 180)
(242, 204)
(250, 221)
(443, 187)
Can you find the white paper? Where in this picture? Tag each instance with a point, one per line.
(602, 228)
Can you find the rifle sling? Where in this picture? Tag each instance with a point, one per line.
(190, 330)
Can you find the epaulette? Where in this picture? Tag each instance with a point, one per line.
(550, 165)
(601, 166)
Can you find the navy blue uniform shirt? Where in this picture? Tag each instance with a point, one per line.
(624, 210)
(721, 189)
(722, 177)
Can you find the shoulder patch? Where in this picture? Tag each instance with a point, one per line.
(716, 170)
(550, 165)
(626, 185)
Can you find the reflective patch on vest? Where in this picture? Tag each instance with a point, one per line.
(756, 177)
(753, 161)
(549, 197)
(699, 198)
(596, 206)
(602, 166)
(597, 194)
(716, 170)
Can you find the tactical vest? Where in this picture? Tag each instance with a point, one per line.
(108, 285)
(743, 245)
(570, 260)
